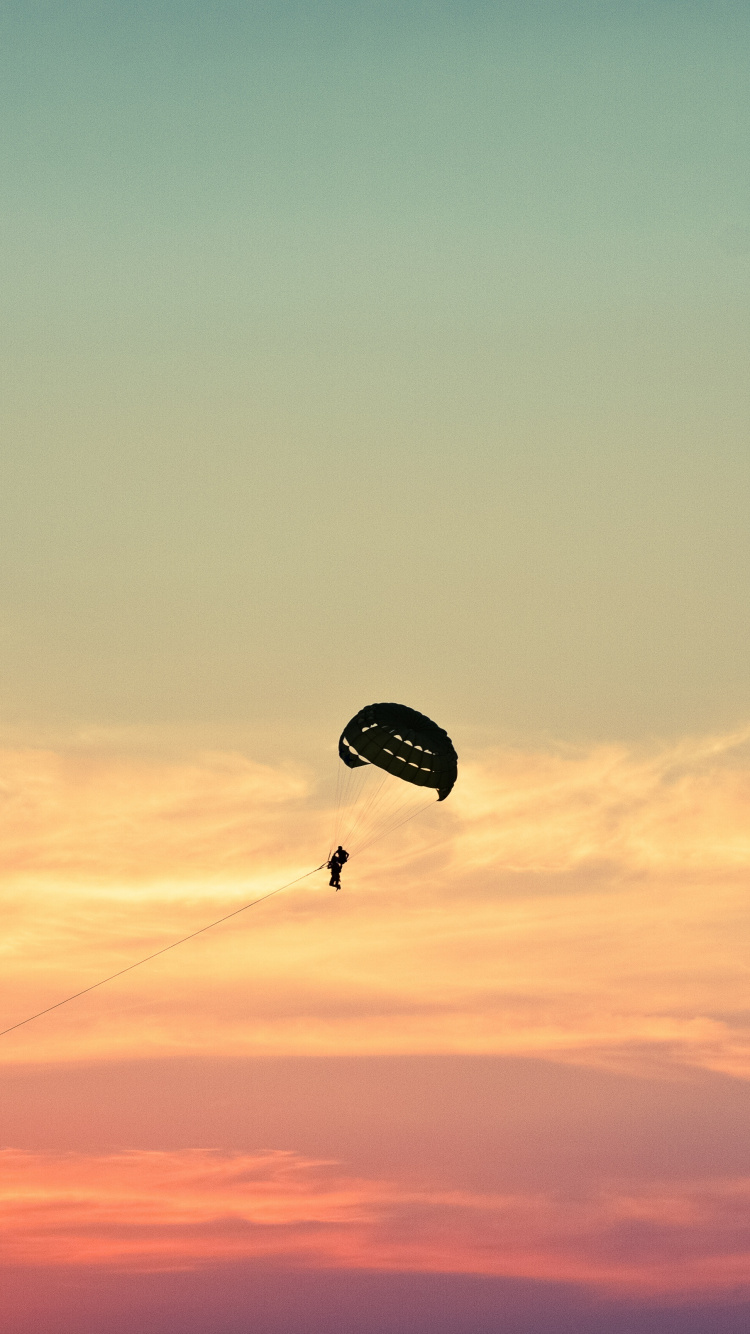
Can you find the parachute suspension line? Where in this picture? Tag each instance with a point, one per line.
(378, 806)
(367, 798)
(165, 950)
(391, 828)
(361, 790)
(344, 787)
(340, 788)
(392, 802)
(362, 810)
(381, 804)
(376, 814)
(358, 793)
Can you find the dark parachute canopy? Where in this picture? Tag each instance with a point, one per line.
(404, 743)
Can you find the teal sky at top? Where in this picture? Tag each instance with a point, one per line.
(369, 351)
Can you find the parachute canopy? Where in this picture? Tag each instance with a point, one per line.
(404, 743)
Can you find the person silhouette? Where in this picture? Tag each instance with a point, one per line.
(335, 864)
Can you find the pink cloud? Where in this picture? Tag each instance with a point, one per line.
(143, 1211)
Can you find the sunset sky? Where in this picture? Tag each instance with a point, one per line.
(356, 352)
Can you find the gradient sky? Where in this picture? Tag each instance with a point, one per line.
(360, 351)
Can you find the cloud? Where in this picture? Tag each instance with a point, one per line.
(590, 905)
(681, 808)
(121, 819)
(185, 1209)
(118, 816)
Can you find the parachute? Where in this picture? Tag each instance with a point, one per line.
(410, 752)
(404, 743)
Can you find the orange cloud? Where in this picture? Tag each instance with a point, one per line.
(180, 1210)
(591, 905)
(684, 808)
(92, 815)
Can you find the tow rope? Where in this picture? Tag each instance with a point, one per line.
(164, 950)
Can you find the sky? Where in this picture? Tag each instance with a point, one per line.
(355, 352)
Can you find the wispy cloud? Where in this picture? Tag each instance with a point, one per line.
(123, 819)
(585, 903)
(178, 1210)
(683, 807)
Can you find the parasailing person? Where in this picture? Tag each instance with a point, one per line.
(335, 864)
